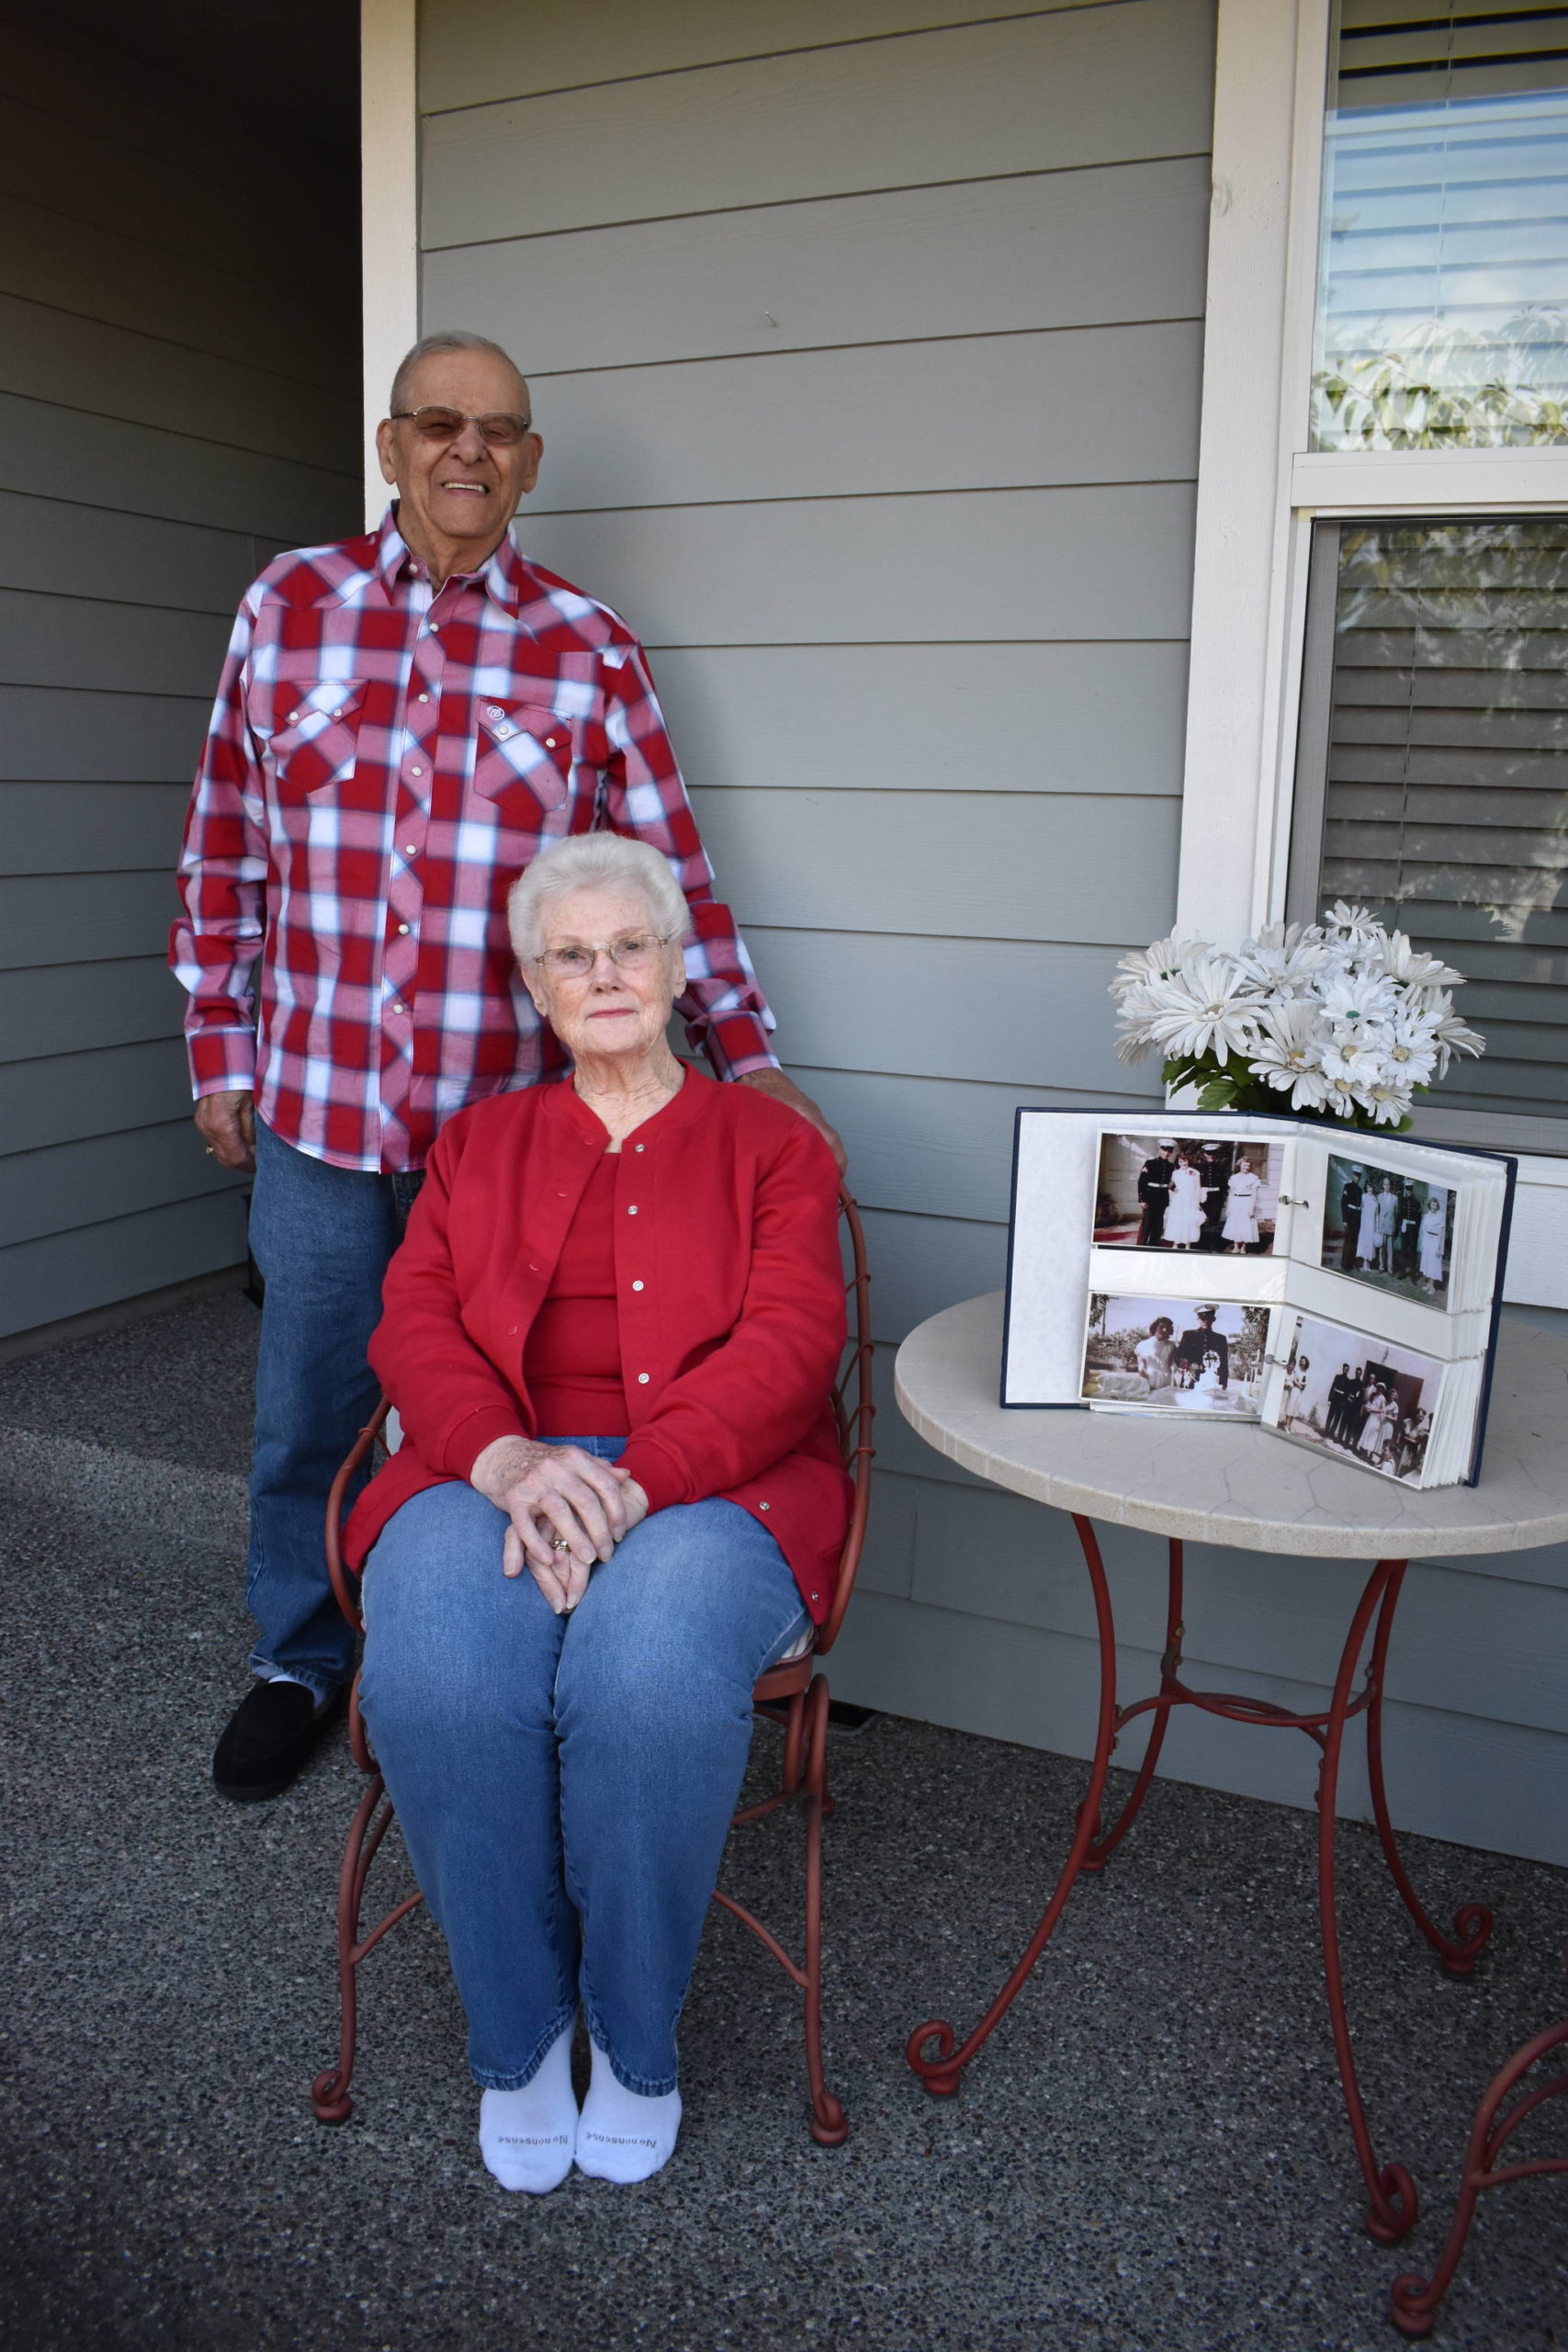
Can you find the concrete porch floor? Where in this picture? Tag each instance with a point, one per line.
(1151, 2154)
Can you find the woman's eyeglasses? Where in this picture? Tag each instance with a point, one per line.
(503, 429)
(634, 952)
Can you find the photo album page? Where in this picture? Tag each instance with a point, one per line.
(1339, 1288)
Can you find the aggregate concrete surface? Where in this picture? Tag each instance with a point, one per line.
(1151, 2152)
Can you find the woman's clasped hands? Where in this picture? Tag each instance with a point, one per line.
(567, 1510)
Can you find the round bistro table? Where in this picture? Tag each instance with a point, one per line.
(1239, 1485)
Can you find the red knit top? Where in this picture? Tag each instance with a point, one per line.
(572, 1359)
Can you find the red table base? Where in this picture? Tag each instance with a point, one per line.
(1412, 2302)
(933, 2049)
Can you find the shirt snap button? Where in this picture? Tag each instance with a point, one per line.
(550, 743)
(764, 1506)
(293, 716)
(403, 930)
(410, 849)
(638, 1147)
(416, 770)
(642, 1380)
(632, 1210)
(636, 1286)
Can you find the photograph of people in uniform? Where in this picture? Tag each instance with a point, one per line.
(1188, 1192)
(1392, 1231)
(1169, 1355)
(1360, 1399)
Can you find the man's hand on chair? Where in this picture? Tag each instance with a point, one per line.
(568, 1510)
(227, 1125)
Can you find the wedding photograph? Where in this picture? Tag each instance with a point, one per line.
(1169, 1355)
(1360, 1399)
(1188, 1192)
(1392, 1231)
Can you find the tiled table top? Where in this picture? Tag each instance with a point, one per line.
(1218, 1483)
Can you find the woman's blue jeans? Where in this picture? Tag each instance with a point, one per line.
(565, 1784)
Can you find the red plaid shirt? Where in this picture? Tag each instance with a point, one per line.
(381, 766)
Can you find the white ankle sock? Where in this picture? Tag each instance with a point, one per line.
(527, 2137)
(622, 2136)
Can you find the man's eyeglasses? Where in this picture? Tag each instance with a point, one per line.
(635, 951)
(503, 429)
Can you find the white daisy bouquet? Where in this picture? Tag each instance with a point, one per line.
(1344, 1020)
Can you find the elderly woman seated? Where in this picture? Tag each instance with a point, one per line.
(610, 1335)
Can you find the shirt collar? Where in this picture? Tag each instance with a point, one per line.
(502, 574)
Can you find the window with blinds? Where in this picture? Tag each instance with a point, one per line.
(1432, 783)
(1442, 303)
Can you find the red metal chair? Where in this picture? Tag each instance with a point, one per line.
(793, 1695)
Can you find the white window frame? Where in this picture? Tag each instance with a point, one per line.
(1259, 489)
(389, 188)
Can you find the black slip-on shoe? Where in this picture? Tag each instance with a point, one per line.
(269, 1736)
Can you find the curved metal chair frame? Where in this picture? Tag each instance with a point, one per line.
(793, 1696)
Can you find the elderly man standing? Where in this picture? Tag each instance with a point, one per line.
(404, 720)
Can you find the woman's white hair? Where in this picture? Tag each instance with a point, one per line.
(592, 862)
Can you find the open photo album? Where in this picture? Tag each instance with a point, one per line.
(1342, 1289)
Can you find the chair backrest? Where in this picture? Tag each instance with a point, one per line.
(853, 1408)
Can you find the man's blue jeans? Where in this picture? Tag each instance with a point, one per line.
(565, 1783)
(322, 1237)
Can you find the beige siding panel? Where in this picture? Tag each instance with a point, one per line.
(937, 1147)
(92, 918)
(70, 1008)
(1492, 1785)
(132, 738)
(99, 273)
(1104, 718)
(983, 866)
(52, 548)
(62, 1097)
(1102, 564)
(102, 1176)
(57, 452)
(1093, 85)
(991, 411)
(69, 1273)
(471, 52)
(49, 355)
(80, 644)
(1063, 249)
(90, 827)
(997, 1011)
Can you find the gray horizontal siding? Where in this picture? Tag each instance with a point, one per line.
(97, 1265)
(81, 732)
(89, 645)
(1060, 408)
(52, 355)
(103, 463)
(1109, 562)
(60, 1098)
(103, 916)
(1041, 92)
(1033, 717)
(1012, 867)
(848, 1001)
(90, 827)
(473, 51)
(69, 1008)
(1068, 249)
(178, 400)
(53, 546)
(981, 257)
(66, 1185)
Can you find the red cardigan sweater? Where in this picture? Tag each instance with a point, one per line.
(729, 1296)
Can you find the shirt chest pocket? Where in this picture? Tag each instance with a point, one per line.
(522, 760)
(315, 738)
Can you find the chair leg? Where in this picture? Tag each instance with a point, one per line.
(828, 2124)
(328, 2092)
